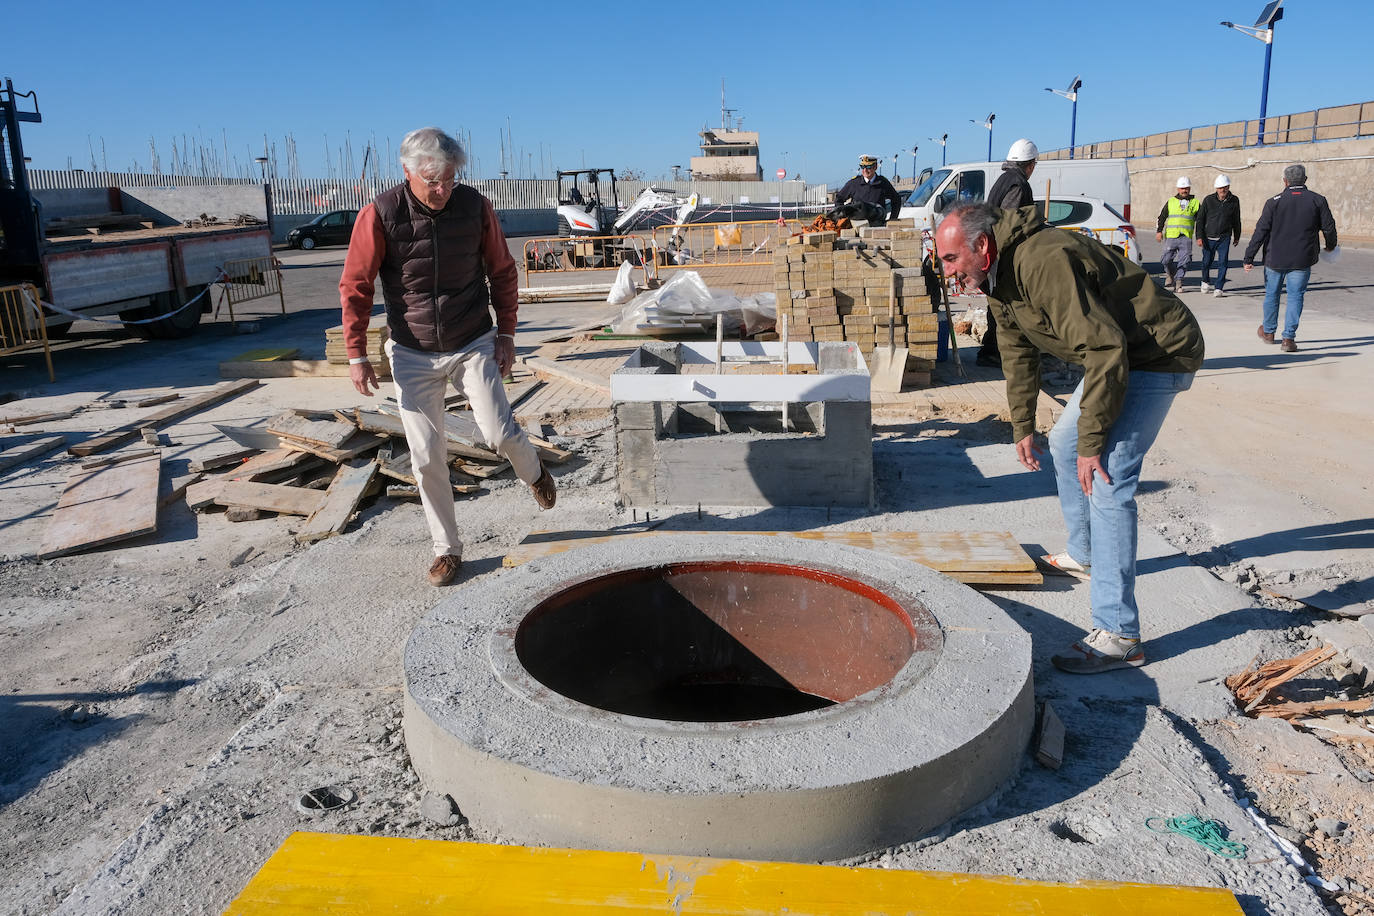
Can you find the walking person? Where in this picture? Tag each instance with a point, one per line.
(438, 247)
(1218, 225)
(1287, 231)
(1063, 293)
(1011, 191)
(1175, 229)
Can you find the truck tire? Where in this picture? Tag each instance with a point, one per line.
(174, 327)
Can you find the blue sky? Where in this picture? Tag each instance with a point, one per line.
(629, 86)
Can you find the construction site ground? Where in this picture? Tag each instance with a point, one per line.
(165, 701)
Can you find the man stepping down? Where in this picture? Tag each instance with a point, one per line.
(1063, 293)
(437, 246)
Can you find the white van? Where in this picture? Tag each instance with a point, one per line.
(969, 182)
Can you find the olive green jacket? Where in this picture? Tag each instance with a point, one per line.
(1066, 294)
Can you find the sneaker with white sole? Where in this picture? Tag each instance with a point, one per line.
(1100, 651)
(1206, 287)
(1061, 564)
(1218, 293)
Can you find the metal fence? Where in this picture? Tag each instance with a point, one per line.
(1343, 122)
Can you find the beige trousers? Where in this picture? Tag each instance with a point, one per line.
(421, 382)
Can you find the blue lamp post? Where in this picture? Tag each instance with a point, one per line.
(1263, 30)
(986, 122)
(942, 140)
(1072, 95)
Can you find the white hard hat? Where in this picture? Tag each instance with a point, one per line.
(1183, 182)
(1222, 182)
(1022, 151)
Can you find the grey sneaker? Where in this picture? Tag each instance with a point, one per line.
(1100, 651)
(1217, 292)
(1205, 287)
(1061, 564)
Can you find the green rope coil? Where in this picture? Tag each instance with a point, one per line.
(1204, 832)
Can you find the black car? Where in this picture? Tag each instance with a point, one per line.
(332, 228)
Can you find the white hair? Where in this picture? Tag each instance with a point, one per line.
(430, 145)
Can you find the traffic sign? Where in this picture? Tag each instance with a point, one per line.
(782, 173)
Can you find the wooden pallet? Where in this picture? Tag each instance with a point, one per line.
(333, 873)
(988, 558)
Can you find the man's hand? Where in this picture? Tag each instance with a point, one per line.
(1028, 453)
(1086, 468)
(1199, 242)
(505, 355)
(1159, 236)
(363, 377)
(1249, 267)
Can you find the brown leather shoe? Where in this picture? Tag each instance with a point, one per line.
(444, 570)
(545, 493)
(1264, 335)
(1288, 346)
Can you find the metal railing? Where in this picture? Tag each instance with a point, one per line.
(742, 244)
(1342, 122)
(21, 323)
(246, 279)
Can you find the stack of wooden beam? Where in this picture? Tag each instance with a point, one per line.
(839, 286)
(335, 350)
(284, 467)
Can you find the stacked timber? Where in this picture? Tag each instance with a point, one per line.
(834, 288)
(336, 352)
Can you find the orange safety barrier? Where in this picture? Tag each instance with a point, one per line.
(21, 323)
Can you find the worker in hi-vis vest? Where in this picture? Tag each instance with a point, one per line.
(1175, 230)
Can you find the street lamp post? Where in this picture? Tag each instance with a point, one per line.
(262, 163)
(942, 140)
(1263, 30)
(1072, 95)
(987, 122)
(913, 164)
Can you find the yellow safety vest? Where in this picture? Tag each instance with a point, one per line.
(1182, 215)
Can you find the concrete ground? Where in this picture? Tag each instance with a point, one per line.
(165, 701)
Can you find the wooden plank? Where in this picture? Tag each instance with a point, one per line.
(329, 433)
(293, 368)
(202, 493)
(103, 505)
(30, 419)
(228, 459)
(160, 399)
(358, 443)
(547, 367)
(162, 417)
(278, 459)
(269, 496)
(340, 501)
(117, 459)
(19, 454)
(265, 354)
(398, 468)
(348, 874)
(972, 557)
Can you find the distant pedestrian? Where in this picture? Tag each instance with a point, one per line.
(868, 187)
(1218, 228)
(1011, 191)
(1175, 229)
(1287, 231)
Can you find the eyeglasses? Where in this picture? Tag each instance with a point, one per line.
(438, 184)
(867, 168)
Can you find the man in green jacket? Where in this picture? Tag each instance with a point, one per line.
(1063, 293)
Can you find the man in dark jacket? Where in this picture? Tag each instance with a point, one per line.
(1063, 293)
(1287, 231)
(437, 246)
(1218, 228)
(869, 187)
(1011, 191)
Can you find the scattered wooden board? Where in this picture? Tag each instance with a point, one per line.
(162, 417)
(398, 468)
(266, 354)
(547, 367)
(30, 419)
(358, 443)
(228, 459)
(19, 454)
(103, 505)
(1253, 685)
(160, 399)
(328, 433)
(340, 501)
(377, 422)
(293, 368)
(346, 874)
(972, 557)
(270, 462)
(270, 497)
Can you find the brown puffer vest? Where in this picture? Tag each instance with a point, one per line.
(433, 280)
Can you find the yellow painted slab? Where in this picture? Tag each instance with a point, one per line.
(328, 873)
(972, 557)
(266, 354)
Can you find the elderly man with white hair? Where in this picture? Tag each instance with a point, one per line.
(444, 267)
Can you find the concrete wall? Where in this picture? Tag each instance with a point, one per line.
(1340, 170)
(170, 206)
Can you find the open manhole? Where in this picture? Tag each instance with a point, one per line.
(771, 698)
(719, 641)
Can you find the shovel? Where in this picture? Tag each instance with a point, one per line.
(889, 364)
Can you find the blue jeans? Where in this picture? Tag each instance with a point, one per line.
(1220, 249)
(1296, 281)
(1102, 528)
